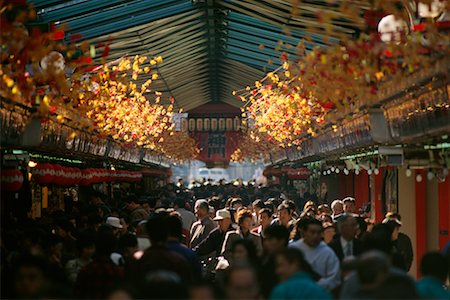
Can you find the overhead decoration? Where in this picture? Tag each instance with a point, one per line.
(328, 85)
(54, 80)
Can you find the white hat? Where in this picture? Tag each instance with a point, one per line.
(114, 222)
(222, 214)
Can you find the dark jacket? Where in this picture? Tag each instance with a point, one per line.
(404, 248)
(212, 245)
(337, 247)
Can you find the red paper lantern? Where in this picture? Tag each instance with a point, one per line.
(87, 177)
(43, 174)
(59, 178)
(77, 176)
(11, 180)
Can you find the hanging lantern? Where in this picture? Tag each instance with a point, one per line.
(59, 178)
(214, 124)
(11, 180)
(392, 29)
(199, 125)
(43, 174)
(206, 124)
(191, 125)
(229, 124)
(237, 124)
(86, 177)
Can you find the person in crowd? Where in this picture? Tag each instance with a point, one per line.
(265, 219)
(127, 247)
(323, 209)
(159, 257)
(201, 228)
(257, 205)
(296, 282)
(212, 245)
(322, 258)
(434, 269)
(175, 226)
(86, 250)
(236, 203)
(337, 207)
(245, 219)
(137, 213)
(114, 222)
(349, 205)
(329, 231)
(402, 242)
(187, 217)
(63, 229)
(397, 286)
(98, 277)
(345, 244)
(285, 216)
(277, 238)
(142, 236)
(30, 277)
(241, 282)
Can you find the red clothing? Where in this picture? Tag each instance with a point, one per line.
(98, 278)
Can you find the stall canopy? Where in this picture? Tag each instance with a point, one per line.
(210, 47)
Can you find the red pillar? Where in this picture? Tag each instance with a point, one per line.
(444, 212)
(421, 218)
(378, 188)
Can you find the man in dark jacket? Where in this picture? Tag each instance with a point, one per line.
(212, 245)
(345, 244)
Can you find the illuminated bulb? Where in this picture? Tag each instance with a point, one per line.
(376, 171)
(369, 172)
(356, 167)
(357, 171)
(408, 172)
(332, 169)
(430, 175)
(419, 178)
(346, 171)
(324, 173)
(32, 164)
(328, 172)
(337, 170)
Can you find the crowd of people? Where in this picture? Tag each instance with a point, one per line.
(220, 241)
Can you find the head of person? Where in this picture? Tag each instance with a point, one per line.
(201, 209)
(128, 245)
(347, 227)
(243, 250)
(372, 269)
(337, 206)
(115, 224)
(397, 286)
(329, 231)
(309, 205)
(265, 217)
(245, 220)
(201, 290)
(324, 218)
(157, 228)
(284, 214)
(241, 282)
(349, 205)
(132, 202)
(86, 244)
(223, 218)
(288, 262)
(311, 231)
(30, 277)
(236, 203)
(323, 209)
(435, 265)
(292, 206)
(105, 243)
(257, 206)
(276, 238)
(179, 203)
(394, 227)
